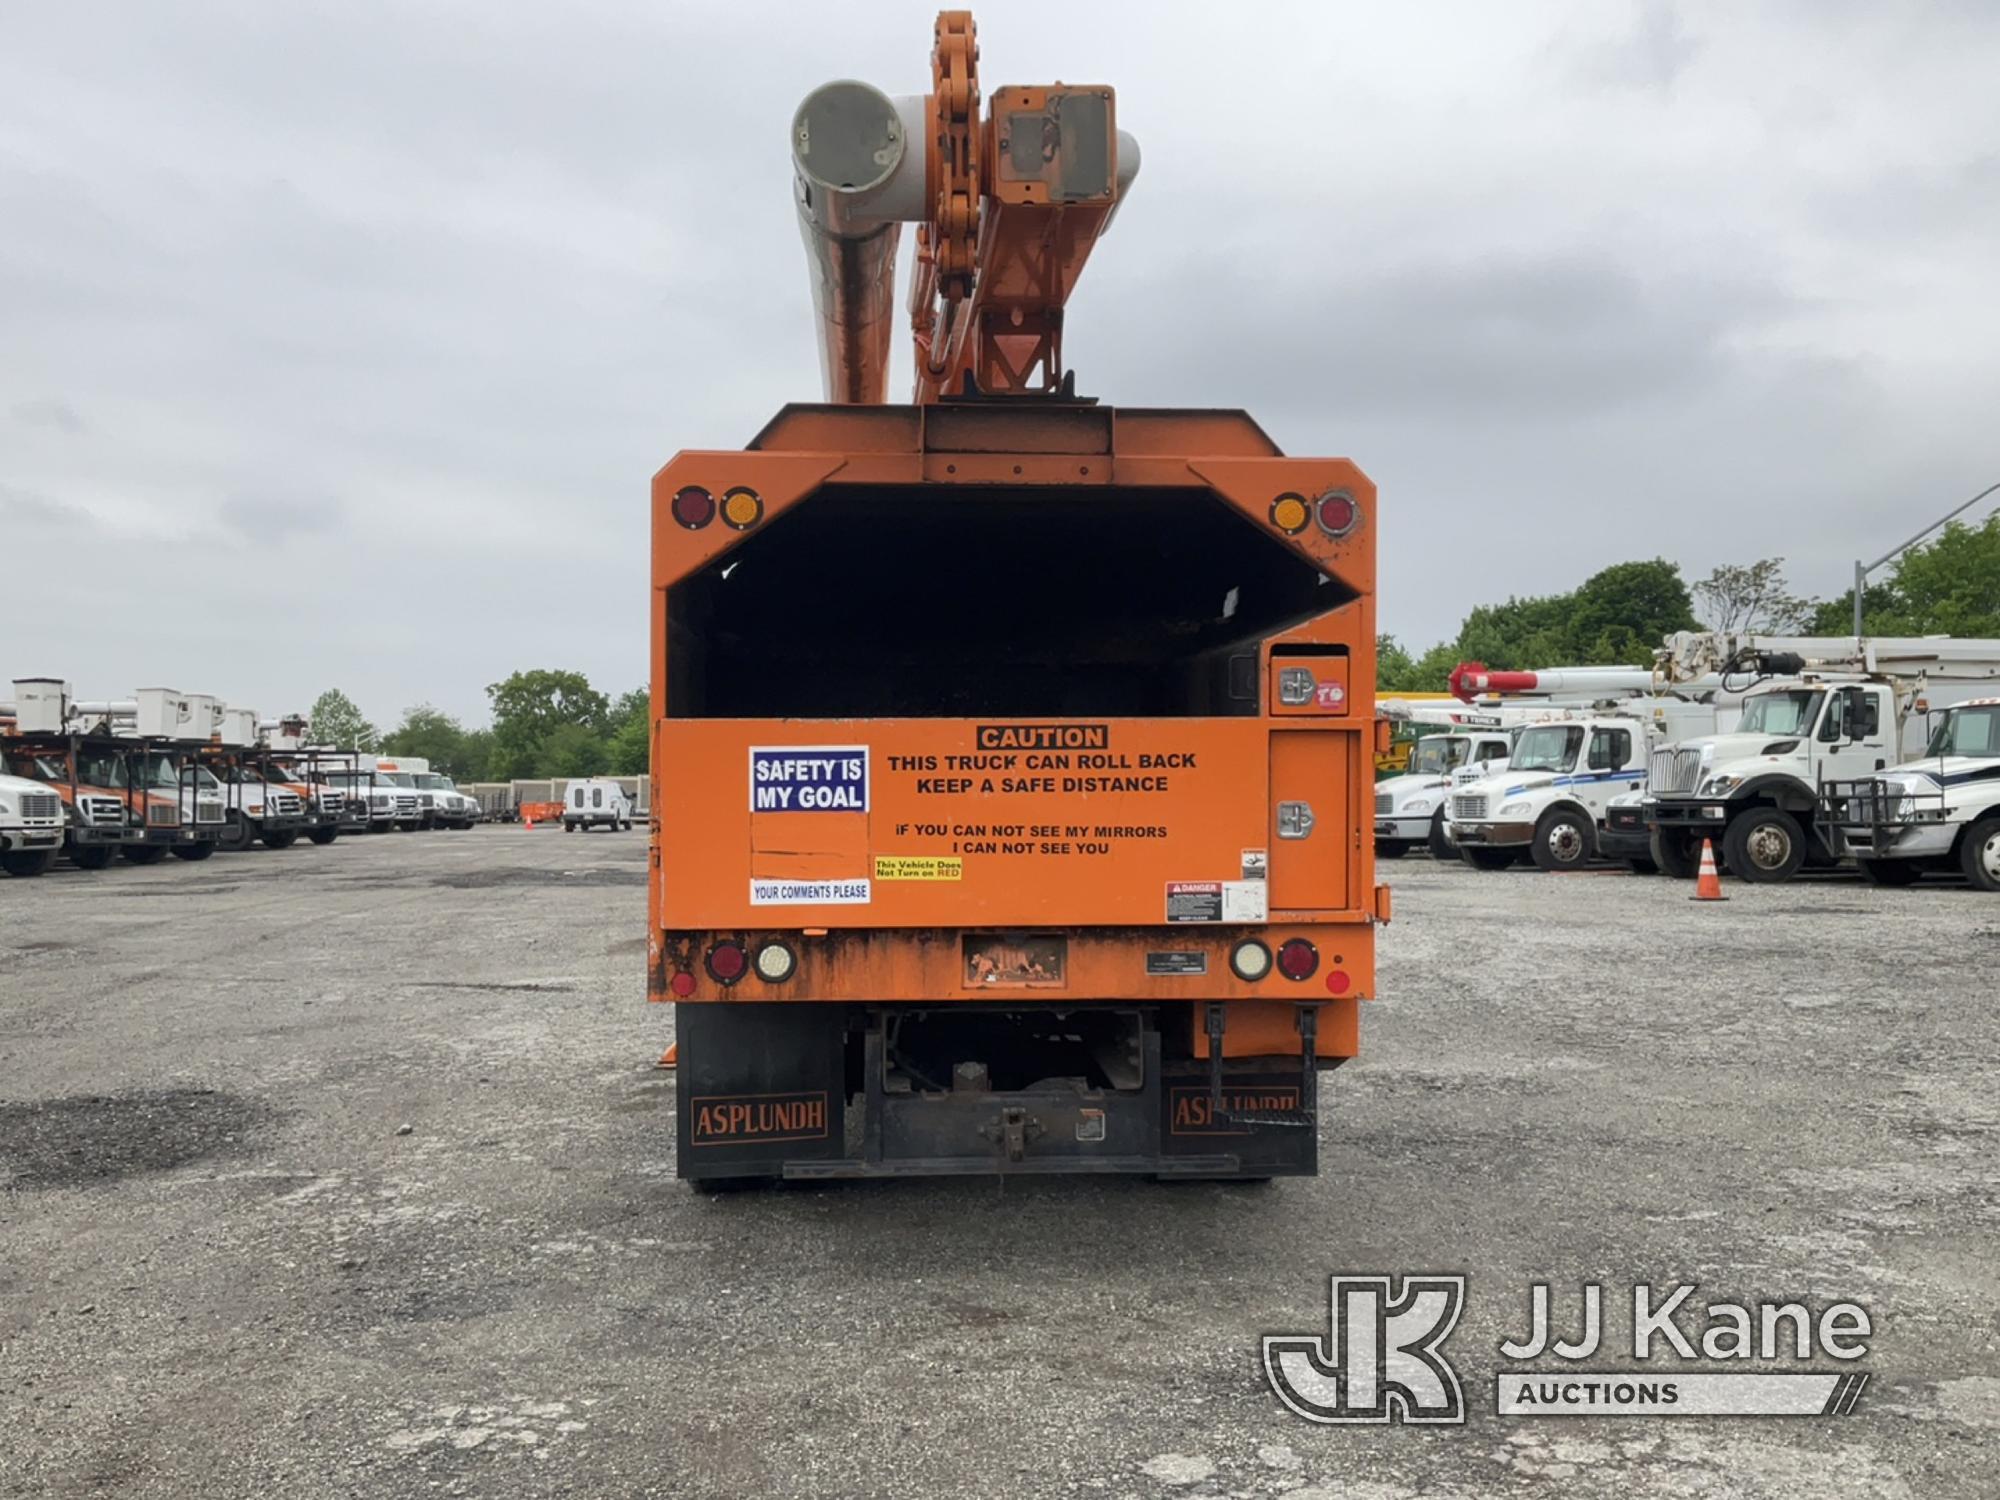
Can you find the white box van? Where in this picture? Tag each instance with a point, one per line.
(599, 802)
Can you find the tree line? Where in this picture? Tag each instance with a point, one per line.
(546, 722)
(1950, 586)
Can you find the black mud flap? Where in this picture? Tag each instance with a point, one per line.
(760, 1085)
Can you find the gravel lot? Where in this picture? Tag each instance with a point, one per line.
(345, 1171)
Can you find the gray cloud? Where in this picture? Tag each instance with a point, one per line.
(1574, 284)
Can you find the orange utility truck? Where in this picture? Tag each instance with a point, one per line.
(1013, 753)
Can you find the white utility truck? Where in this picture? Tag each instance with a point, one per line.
(31, 825)
(1547, 803)
(1827, 709)
(598, 802)
(1941, 812)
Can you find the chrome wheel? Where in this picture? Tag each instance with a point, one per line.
(1769, 846)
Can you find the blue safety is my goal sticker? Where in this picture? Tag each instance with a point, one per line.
(809, 778)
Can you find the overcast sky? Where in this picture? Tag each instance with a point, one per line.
(338, 344)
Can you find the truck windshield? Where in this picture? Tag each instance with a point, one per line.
(1968, 731)
(1551, 747)
(1789, 712)
(1435, 754)
(396, 778)
(101, 768)
(162, 772)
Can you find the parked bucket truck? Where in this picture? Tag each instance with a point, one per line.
(1815, 710)
(1938, 812)
(1050, 856)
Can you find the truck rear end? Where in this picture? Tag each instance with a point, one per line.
(1013, 765)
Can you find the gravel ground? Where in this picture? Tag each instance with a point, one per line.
(345, 1172)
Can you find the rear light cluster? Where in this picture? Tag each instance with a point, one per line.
(1335, 511)
(729, 959)
(694, 507)
(1297, 959)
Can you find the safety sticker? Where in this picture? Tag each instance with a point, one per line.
(918, 867)
(809, 778)
(808, 892)
(1194, 901)
(1256, 864)
(1245, 901)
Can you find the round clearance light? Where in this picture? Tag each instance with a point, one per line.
(1289, 513)
(726, 962)
(776, 963)
(1338, 514)
(694, 507)
(1251, 960)
(1297, 959)
(682, 984)
(1337, 982)
(742, 509)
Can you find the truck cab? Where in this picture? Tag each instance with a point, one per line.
(1548, 803)
(96, 824)
(257, 810)
(1756, 790)
(448, 806)
(1410, 809)
(598, 802)
(31, 825)
(1938, 812)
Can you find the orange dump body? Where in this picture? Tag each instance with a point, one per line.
(1047, 705)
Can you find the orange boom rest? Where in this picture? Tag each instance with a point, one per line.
(1012, 753)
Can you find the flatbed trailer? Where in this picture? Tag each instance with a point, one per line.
(1013, 755)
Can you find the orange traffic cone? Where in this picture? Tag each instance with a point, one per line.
(670, 1058)
(1708, 884)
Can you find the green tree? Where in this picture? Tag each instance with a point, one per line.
(337, 721)
(1949, 586)
(1620, 614)
(572, 750)
(1754, 599)
(530, 707)
(435, 736)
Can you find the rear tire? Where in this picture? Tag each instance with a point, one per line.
(1390, 849)
(1482, 858)
(1890, 871)
(1441, 847)
(1563, 841)
(1979, 854)
(91, 856)
(193, 851)
(323, 835)
(24, 863)
(144, 854)
(237, 834)
(1765, 845)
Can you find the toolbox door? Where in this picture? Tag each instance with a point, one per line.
(1312, 832)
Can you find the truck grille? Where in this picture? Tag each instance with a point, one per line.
(1467, 807)
(208, 810)
(1384, 804)
(1628, 819)
(332, 802)
(286, 804)
(162, 815)
(1873, 802)
(40, 807)
(406, 802)
(101, 812)
(1673, 772)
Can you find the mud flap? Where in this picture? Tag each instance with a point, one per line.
(759, 1085)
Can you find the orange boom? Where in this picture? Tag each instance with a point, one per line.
(1013, 753)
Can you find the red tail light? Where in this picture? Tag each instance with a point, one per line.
(1298, 959)
(682, 984)
(1337, 513)
(694, 507)
(727, 961)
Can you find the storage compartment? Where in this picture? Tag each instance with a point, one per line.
(962, 602)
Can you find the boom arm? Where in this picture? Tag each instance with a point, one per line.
(1008, 206)
(1693, 653)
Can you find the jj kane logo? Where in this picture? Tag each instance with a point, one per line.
(1382, 1358)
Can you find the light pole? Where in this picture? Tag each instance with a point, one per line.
(1861, 573)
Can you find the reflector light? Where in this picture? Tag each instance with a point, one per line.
(682, 984)
(742, 509)
(726, 962)
(1289, 513)
(1297, 959)
(1337, 513)
(775, 963)
(1337, 983)
(1251, 960)
(694, 507)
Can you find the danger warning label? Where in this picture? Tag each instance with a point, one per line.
(1194, 901)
